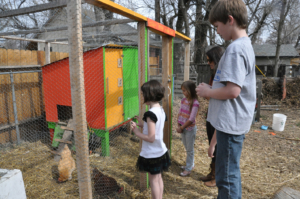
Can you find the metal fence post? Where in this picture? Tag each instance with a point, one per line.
(15, 107)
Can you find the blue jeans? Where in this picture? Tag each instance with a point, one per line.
(228, 175)
(188, 140)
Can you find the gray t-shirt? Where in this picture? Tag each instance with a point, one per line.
(237, 65)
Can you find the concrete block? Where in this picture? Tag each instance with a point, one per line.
(11, 184)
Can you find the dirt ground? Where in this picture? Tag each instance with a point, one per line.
(268, 162)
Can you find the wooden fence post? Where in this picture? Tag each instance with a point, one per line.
(47, 52)
(167, 83)
(142, 50)
(78, 98)
(186, 61)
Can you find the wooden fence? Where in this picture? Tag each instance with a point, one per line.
(28, 90)
(11, 57)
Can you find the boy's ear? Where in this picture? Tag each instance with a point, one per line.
(230, 19)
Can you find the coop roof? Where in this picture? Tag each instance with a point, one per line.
(269, 50)
(104, 45)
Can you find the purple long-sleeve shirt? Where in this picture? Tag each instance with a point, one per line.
(185, 114)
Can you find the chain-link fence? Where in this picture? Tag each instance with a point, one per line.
(67, 97)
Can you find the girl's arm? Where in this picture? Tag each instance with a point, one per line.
(212, 145)
(151, 132)
(140, 121)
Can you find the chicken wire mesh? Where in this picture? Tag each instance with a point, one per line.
(38, 79)
(37, 112)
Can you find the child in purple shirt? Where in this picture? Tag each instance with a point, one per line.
(186, 123)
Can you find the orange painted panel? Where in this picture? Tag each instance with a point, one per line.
(114, 110)
(94, 88)
(161, 28)
(57, 88)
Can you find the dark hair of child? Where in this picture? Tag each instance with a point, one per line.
(153, 91)
(215, 54)
(190, 87)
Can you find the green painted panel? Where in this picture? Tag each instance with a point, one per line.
(130, 82)
(58, 134)
(104, 75)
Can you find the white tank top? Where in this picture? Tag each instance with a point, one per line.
(158, 147)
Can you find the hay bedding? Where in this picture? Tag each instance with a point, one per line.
(267, 163)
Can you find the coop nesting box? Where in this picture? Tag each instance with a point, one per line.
(111, 88)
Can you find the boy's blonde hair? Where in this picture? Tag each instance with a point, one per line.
(223, 8)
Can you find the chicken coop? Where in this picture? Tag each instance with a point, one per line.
(111, 91)
(77, 84)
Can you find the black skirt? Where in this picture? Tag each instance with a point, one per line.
(154, 165)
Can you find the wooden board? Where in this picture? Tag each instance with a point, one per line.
(160, 27)
(116, 8)
(187, 61)
(34, 60)
(142, 46)
(52, 57)
(286, 193)
(66, 137)
(166, 82)
(182, 36)
(41, 59)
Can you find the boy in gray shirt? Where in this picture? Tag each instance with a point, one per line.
(232, 95)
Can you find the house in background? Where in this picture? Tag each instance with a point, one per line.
(265, 54)
(60, 18)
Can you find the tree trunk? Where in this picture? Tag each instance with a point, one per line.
(108, 16)
(280, 27)
(157, 15)
(199, 17)
(201, 29)
(297, 42)
(178, 51)
(260, 24)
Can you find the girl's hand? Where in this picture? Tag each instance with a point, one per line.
(140, 121)
(133, 126)
(178, 129)
(211, 150)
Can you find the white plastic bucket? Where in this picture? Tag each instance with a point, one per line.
(278, 122)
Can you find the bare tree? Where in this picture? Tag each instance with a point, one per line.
(286, 6)
(258, 17)
(202, 26)
(157, 14)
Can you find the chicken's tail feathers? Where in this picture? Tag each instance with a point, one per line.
(120, 190)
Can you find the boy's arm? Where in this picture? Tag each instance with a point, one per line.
(230, 91)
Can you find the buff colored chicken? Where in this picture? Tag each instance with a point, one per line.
(66, 165)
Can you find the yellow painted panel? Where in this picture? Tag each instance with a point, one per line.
(114, 110)
(182, 36)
